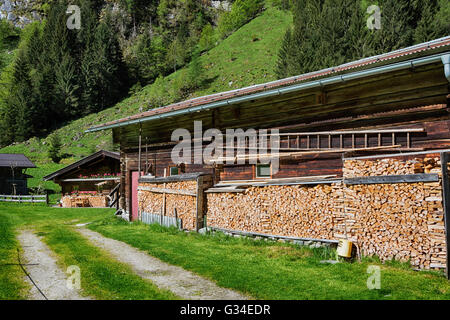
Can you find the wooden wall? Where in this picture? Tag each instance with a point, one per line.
(6, 181)
(403, 99)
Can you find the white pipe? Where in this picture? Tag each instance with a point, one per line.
(446, 62)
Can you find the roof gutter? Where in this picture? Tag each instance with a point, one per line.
(446, 62)
(443, 57)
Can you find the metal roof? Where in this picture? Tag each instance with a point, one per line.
(75, 165)
(366, 63)
(17, 160)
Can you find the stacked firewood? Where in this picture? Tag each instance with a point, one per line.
(390, 166)
(298, 211)
(403, 221)
(171, 205)
(395, 221)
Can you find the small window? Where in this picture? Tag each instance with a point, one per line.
(263, 171)
(173, 171)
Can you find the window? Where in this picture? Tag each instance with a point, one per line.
(173, 171)
(263, 171)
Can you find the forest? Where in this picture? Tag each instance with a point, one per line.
(54, 74)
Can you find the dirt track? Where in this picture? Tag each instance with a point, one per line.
(46, 274)
(185, 284)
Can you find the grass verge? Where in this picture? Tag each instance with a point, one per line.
(101, 275)
(11, 285)
(268, 270)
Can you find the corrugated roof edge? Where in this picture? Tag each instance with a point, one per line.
(344, 68)
(26, 163)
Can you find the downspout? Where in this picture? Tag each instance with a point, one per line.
(446, 62)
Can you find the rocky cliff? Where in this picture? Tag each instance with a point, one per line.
(19, 12)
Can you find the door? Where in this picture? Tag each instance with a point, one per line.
(134, 196)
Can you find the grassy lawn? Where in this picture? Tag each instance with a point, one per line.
(101, 276)
(11, 287)
(263, 270)
(267, 270)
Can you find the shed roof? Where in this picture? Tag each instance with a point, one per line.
(75, 165)
(17, 160)
(423, 49)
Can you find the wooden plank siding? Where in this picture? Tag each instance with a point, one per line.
(398, 100)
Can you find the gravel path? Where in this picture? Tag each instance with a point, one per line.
(50, 279)
(185, 284)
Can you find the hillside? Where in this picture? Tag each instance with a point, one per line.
(246, 57)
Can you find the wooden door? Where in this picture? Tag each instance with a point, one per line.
(134, 196)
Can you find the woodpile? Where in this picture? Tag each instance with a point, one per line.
(397, 221)
(390, 166)
(402, 221)
(98, 201)
(166, 203)
(298, 211)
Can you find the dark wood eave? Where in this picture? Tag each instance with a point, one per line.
(76, 165)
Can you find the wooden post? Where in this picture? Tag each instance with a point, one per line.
(175, 214)
(163, 211)
(199, 198)
(140, 145)
(146, 156)
(445, 158)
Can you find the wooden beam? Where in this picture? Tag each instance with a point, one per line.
(405, 178)
(168, 191)
(299, 154)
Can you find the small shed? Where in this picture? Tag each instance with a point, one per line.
(13, 179)
(89, 182)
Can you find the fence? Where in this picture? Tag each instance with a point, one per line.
(23, 198)
(151, 218)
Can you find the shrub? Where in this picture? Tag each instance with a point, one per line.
(241, 12)
(207, 39)
(54, 151)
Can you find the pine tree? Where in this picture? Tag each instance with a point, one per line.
(54, 150)
(282, 69)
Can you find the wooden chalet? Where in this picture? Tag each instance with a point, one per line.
(384, 116)
(13, 177)
(90, 181)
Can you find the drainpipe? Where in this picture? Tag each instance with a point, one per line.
(446, 62)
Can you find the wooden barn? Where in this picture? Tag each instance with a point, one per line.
(13, 177)
(90, 182)
(361, 155)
